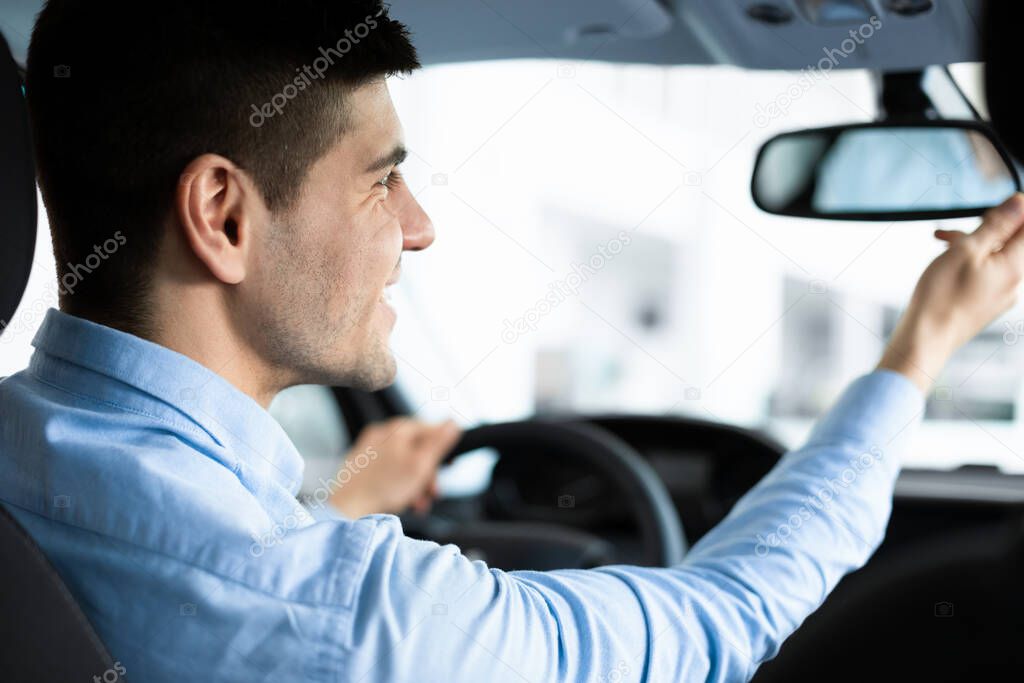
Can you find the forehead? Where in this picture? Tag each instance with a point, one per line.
(373, 127)
(372, 130)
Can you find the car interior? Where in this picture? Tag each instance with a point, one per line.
(581, 477)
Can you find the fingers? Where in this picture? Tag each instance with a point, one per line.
(437, 441)
(406, 434)
(423, 504)
(1013, 250)
(399, 432)
(1000, 224)
(950, 236)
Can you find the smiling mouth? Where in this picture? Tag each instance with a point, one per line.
(396, 274)
(385, 295)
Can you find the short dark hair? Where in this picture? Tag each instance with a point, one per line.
(123, 94)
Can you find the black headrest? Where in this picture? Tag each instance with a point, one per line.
(1003, 66)
(17, 189)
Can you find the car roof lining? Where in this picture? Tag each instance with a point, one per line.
(655, 32)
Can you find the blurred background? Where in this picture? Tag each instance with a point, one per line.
(598, 251)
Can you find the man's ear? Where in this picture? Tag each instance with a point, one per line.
(215, 205)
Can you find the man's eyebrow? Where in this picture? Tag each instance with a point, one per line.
(393, 158)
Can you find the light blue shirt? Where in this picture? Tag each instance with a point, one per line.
(165, 497)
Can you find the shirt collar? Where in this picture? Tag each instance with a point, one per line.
(256, 448)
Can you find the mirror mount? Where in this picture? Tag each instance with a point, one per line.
(902, 97)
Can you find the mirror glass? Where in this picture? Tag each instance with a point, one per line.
(880, 172)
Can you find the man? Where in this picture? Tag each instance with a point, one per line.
(261, 225)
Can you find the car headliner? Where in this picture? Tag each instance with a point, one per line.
(655, 32)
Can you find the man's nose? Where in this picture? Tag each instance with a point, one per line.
(417, 228)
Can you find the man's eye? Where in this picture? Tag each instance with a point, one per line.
(391, 180)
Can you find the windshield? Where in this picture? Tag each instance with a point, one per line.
(598, 251)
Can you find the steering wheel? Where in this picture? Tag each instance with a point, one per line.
(663, 542)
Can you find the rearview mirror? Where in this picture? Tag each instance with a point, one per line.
(884, 172)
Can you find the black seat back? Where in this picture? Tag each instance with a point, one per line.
(17, 189)
(44, 636)
(942, 610)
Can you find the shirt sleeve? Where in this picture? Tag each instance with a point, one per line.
(426, 612)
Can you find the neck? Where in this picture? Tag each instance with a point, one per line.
(194, 318)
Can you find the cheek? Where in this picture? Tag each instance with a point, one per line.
(352, 258)
(381, 241)
(355, 271)
(317, 267)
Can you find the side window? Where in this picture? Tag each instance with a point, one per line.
(311, 417)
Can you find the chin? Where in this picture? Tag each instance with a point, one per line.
(379, 373)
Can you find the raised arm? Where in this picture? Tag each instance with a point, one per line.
(426, 612)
